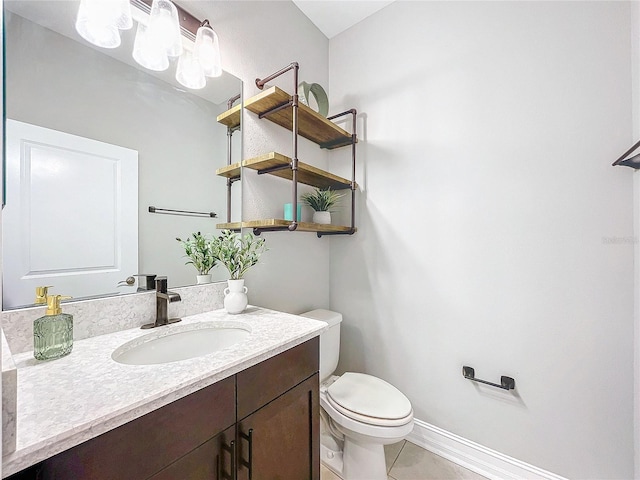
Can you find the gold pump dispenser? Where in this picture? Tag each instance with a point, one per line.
(41, 294)
(53, 333)
(53, 304)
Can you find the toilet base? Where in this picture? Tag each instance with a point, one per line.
(363, 461)
(350, 459)
(331, 459)
(359, 462)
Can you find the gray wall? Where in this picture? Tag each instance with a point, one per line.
(493, 231)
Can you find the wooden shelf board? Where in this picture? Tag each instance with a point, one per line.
(277, 222)
(230, 226)
(311, 124)
(230, 171)
(231, 118)
(307, 174)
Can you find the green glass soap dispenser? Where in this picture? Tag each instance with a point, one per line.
(53, 333)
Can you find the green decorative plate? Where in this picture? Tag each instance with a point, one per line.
(305, 90)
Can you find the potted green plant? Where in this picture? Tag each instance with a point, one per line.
(198, 249)
(237, 253)
(322, 201)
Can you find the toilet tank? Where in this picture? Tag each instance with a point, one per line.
(329, 340)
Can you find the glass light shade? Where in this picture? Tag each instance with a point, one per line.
(164, 27)
(124, 21)
(189, 72)
(97, 22)
(148, 54)
(207, 50)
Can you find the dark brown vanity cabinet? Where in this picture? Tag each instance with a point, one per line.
(261, 424)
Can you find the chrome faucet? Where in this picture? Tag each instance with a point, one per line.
(163, 299)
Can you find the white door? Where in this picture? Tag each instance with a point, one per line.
(71, 217)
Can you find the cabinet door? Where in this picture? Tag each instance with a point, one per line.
(280, 441)
(210, 461)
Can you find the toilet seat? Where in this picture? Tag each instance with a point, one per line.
(370, 400)
(355, 429)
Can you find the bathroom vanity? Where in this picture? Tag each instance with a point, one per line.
(247, 411)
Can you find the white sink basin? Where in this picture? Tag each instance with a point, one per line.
(180, 343)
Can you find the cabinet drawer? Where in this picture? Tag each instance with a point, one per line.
(268, 380)
(147, 444)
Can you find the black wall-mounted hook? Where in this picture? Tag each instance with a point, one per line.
(633, 162)
(506, 383)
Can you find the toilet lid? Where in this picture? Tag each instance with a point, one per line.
(369, 399)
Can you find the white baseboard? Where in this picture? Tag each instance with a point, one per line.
(473, 456)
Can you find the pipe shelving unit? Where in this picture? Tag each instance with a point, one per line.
(279, 107)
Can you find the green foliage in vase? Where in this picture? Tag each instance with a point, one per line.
(322, 200)
(237, 252)
(197, 248)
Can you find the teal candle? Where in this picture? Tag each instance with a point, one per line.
(288, 211)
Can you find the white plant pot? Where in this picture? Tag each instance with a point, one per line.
(203, 278)
(324, 218)
(235, 296)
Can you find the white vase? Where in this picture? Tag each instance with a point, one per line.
(323, 218)
(235, 296)
(203, 278)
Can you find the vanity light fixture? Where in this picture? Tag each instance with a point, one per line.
(100, 21)
(207, 50)
(157, 39)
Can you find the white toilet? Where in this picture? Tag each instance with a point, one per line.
(359, 413)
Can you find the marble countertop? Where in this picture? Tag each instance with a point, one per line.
(64, 402)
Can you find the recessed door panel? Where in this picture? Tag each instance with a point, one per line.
(71, 214)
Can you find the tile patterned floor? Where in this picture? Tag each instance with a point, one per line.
(406, 461)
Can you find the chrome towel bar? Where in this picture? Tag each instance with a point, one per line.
(186, 213)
